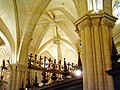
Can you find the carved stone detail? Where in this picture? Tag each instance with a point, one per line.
(96, 22)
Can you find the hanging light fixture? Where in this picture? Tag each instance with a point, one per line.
(54, 71)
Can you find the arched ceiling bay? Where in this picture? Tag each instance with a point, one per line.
(67, 7)
(58, 18)
(60, 12)
(8, 16)
(63, 13)
(24, 8)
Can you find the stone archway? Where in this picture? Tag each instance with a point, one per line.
(10, 44)
(29, 30)
(8, 39)
(24, 45)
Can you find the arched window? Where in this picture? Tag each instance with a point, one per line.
(95, 5)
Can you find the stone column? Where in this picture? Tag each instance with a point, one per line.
(12, 77)
(21, 75)
(59, 50)
(95, 32)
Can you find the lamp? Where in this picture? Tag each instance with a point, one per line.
(78, 69)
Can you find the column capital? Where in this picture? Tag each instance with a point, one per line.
(96, 22)
(80, 20)
(103, 17)
(83, 22)
(108, 22)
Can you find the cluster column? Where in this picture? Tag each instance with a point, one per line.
(95, 33)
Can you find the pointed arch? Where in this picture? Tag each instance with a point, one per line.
(8, 39)
(30, 26)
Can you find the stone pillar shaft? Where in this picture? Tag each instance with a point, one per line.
(21, 75)
(59, 51)
(89, 56)
(96, 50)
(107, 50)
(83, 54)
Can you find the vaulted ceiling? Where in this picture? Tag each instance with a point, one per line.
(53, 32)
